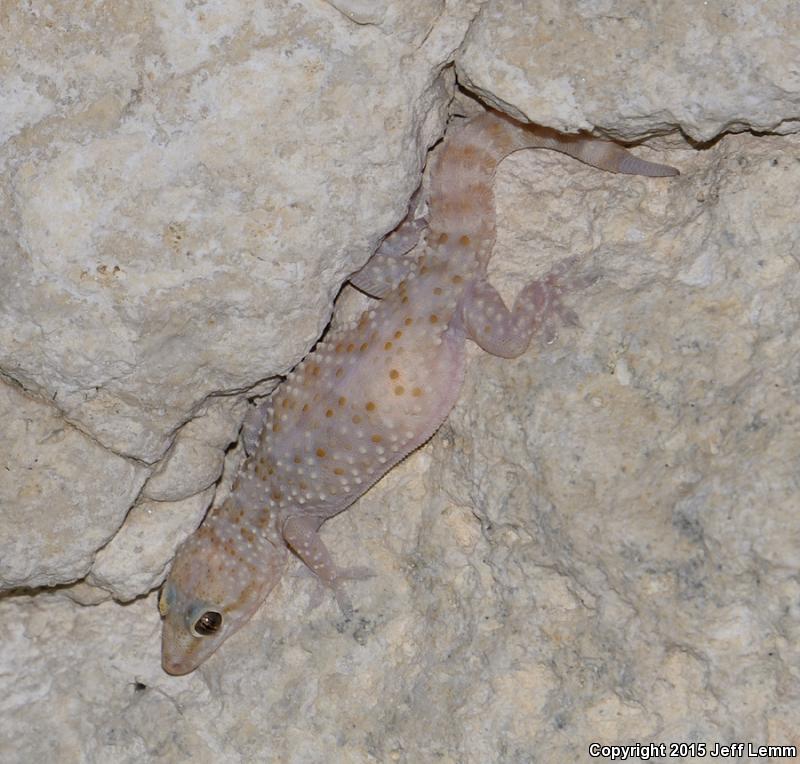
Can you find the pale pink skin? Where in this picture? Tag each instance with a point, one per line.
(372, 392)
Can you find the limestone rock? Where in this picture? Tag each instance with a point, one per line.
(137, 558)
(62, 495)
(601, 543)
(168, 197)
(634, 69)
(194, 462)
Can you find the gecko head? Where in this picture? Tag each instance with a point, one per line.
(212, 590)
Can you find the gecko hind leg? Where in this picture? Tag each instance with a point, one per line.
(389, 265)
(301, 534)
(537, 308)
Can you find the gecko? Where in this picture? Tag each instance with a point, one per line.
(372, 390)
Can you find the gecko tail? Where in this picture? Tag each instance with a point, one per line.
(609, 156)
(461, 201)
(512, 136)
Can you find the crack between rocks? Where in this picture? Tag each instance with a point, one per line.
(13, 381)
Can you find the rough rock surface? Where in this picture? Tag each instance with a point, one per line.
(164, 192)
(62, 495)
(600, 545)
(633, 68)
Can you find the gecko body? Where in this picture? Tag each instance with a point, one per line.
(372, 391)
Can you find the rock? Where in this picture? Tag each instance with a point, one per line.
(194, 462)
(62, 495)
(635, 69)
(601, 543)
(169, 197)
(137, 558)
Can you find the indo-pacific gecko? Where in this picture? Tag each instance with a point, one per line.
(372, 391)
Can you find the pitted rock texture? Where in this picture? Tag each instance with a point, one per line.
(633, 69)
(600, 544)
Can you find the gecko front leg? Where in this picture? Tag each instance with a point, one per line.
(252, 425)
(302, 535)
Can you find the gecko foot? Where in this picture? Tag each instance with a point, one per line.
(548, 293)
(356, 573)
(323, 589)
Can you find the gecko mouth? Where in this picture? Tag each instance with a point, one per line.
(178, 665)
(175, 667)
(181, 656)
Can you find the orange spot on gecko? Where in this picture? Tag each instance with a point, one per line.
(364, 346)
(321, 453)
(416, 392)
(394, 374)
(305, 407)
(387, 346)
(433, 318)
(408, 321)
(338, 372)
(356, 419)
(247, 534)
(398, 334)
(443, 238)
(370, 406)
(338, 471)
(399, 390)
(464, 240)
(456, 279)
(350, 347)
(342, 400)
(376, 438)
(298, 459)
(438, 290)
(329, 413)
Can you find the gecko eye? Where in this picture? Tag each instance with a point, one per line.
(208, 623)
